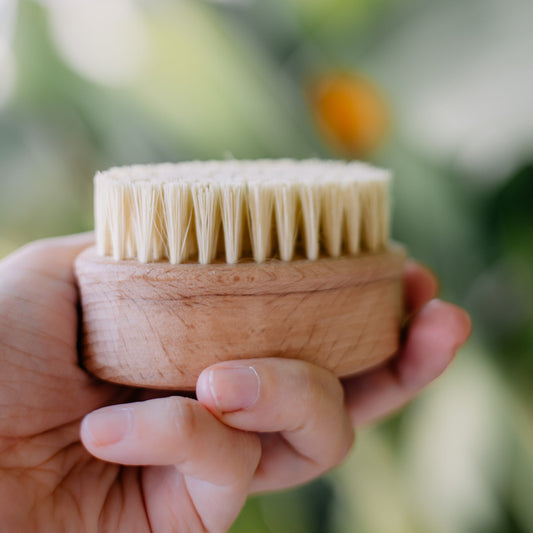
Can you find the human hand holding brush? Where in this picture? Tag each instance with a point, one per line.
(174, 463)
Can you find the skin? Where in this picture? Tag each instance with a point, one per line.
(80, 455)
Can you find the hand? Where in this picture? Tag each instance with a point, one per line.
(288, 422)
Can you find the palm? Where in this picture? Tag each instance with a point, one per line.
(45, 468)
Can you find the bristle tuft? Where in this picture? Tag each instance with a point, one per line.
(285, 202)
(260, 206)
(177, 215)
(332, 214)
(310, 199)
(375, 213)
(231, 203)
(205, 197)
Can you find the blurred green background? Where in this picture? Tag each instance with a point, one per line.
(439, 91)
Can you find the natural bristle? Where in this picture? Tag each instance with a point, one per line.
(262, 209)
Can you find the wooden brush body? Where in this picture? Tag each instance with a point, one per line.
(309, 272)
(159, 325)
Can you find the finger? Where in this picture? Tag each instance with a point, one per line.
(299, 406)
(212, 464)
(420, 285)
(435, 334)
(172, 430)
(51, 258)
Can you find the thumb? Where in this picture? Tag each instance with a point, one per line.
(53, 257)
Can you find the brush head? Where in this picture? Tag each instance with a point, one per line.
(209, 211)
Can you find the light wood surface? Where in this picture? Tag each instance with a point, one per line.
(159, 325)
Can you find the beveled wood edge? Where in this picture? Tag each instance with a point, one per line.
(247, 277)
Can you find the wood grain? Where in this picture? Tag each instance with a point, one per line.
(159, 325)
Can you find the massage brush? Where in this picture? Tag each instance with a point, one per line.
(201, 262)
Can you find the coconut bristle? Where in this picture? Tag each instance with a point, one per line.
(285, 207)
(177, 216)
(231, 203)
(232, 210)
(310, 200)
(260, 200)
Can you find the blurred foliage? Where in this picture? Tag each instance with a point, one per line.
(445, 102)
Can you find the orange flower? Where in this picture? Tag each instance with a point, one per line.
(350, 112)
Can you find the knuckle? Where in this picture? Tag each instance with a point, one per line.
(335, 391)
(339, 448)
(183, 414)
(322, 390)
(345, 446)
(250, 450)
(36, 248)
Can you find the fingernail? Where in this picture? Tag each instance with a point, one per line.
(234, 388)
(108, 426)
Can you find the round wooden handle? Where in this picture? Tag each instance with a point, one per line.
(159, 325)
